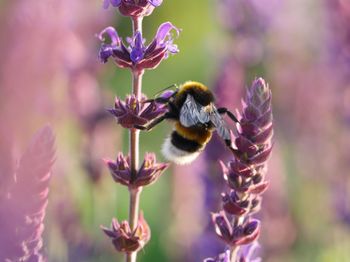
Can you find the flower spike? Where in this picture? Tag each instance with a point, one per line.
(245, 173)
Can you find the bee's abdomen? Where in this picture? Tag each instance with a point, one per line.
(180, 150)
(184, 144)
(199, 135)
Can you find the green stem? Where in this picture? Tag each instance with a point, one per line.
(134, 149)
(133, 216)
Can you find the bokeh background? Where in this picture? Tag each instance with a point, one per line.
(50, 73)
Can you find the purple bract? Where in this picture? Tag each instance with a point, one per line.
(132, 112)
(126, 240)
(136, 55)
(243, 234)
(148, 173)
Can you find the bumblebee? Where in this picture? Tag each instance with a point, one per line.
(191, 107)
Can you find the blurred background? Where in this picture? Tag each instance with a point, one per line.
(50, 73)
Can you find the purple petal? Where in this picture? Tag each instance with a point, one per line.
(116, 3)
(108, 232)
(248, 252)
(164, 31)
(137, 51)
(113, 35)
(223, 257)
(172, 48)
(155, 3)
(105, 52)
(222, 225)
(105, 4)
(259, 189)
(244, 145)
(264, 136)
(251, 232)
(262, 156)
(233, 208)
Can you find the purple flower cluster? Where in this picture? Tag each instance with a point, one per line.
(235, 235)
(126, 240)
(148, 173)
(132, 112)
(136, 55)
(245, 174)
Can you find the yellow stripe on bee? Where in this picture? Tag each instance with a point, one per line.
(200, 135)
(192, 85)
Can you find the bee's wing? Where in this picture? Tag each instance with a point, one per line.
(192, 113)
(219, 124)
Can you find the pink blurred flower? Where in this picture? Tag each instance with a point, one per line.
(22, 210)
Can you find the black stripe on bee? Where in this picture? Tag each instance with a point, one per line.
(184, 144)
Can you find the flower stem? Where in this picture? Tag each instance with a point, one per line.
(234, 252)
(133, 216)
(137, 24)
(134, 149)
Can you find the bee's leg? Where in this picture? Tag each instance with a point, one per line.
(224, 110)
(154, 122)
(161, 100)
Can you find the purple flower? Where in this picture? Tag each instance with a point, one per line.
(133, 8)
(235, 235)
(114, 3)
(243, 178)
(247, 253)
(136, 55)
(224, 257)
(133, 112)
(148, 173)
(126, 240)
(233, 205)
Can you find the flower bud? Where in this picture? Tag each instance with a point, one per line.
(233, 205)
(222, 226)
(247, 233)
(149, 172)
(126, 240)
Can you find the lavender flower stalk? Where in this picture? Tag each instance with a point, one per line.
(23, 207)
(245, 174)
(130, 236)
